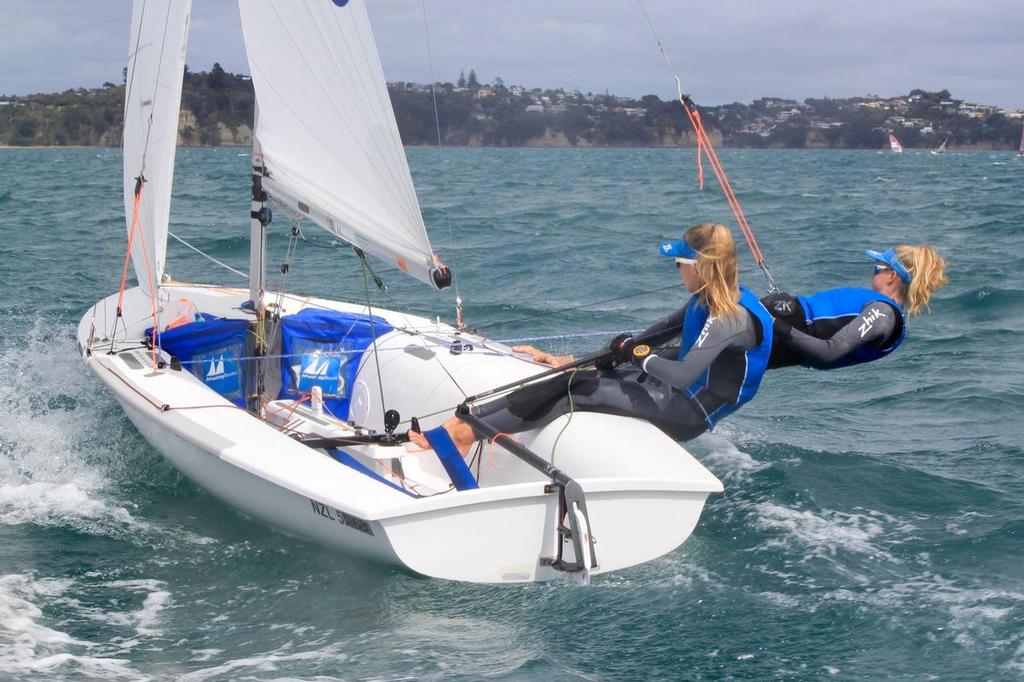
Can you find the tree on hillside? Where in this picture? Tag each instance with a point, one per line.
(473, 82)
(217, 77)
(462, 79)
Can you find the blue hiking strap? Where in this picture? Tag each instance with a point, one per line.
(350, 461)
(451, 459)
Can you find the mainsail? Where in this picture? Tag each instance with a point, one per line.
(156, 62)
(894, 144)
(1020, 151)
(326, 132)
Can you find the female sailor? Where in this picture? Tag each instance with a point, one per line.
(724, 337)
(847, 326)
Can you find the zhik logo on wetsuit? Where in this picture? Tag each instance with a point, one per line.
(870, 317)
(784, 307)
(705, 331)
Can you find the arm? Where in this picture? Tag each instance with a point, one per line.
(717, 335)
(665, 330)
(874, 325)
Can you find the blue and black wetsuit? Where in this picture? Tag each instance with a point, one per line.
(719, 367)
(834, 328)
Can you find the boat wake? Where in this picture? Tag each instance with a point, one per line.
(68, 458)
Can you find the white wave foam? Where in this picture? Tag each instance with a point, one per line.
(824, 534)
(28, 647)
(61, 504)
(977, 616)
(51, 416)
(266, 663)
(146, 619)
(63, 447)
(725, 459)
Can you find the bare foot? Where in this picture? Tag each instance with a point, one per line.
(461, 434)
(544, 358)
(419, 440)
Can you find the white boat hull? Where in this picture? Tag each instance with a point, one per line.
(644, 492)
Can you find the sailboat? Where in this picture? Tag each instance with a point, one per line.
(291, 407)
(895, 145)
(941, 148)
(1020, 149)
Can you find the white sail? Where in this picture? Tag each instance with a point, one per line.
(894, 144)
(156, 62)
(326, 131)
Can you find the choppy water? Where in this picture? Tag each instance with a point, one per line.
(873, 520)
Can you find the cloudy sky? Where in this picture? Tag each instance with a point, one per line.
(724, 50)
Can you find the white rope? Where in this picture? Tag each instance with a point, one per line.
(661, 48)
(206, 255)
(459, 322)
(555, 337)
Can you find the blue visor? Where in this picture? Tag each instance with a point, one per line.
(889, 257)
(679, 249)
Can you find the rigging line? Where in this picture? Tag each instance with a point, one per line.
(293, 244)
(134, 56)
(408, 322)
(704, 143)
(585, 305)
(156, 89)
(556, 337)
(572, 412)
(206, 255)
(440, 152)
(373, 333)
(129, 85)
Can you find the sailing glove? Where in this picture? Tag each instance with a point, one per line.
(621, 348)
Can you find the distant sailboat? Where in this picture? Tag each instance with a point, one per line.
(1020, 149)
(895, 145)
(942, 147)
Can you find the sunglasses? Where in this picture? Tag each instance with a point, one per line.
(881, 268)
(680, 262)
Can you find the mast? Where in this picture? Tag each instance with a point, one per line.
(259, 217)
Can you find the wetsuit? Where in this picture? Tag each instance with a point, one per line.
(678, 395)
(834, 328)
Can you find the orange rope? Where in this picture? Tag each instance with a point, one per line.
(490, 449)
(128, 252)
(140, 184)
(704, 143)
(704, 146)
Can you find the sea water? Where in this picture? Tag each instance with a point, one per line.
(872, 524)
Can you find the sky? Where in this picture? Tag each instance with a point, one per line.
(723, 50)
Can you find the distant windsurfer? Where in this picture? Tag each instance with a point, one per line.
(723, 342)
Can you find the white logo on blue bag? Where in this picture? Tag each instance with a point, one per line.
(222, 375)
(318, 370)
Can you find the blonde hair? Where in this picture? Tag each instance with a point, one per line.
(716, 268)
(927, 271)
